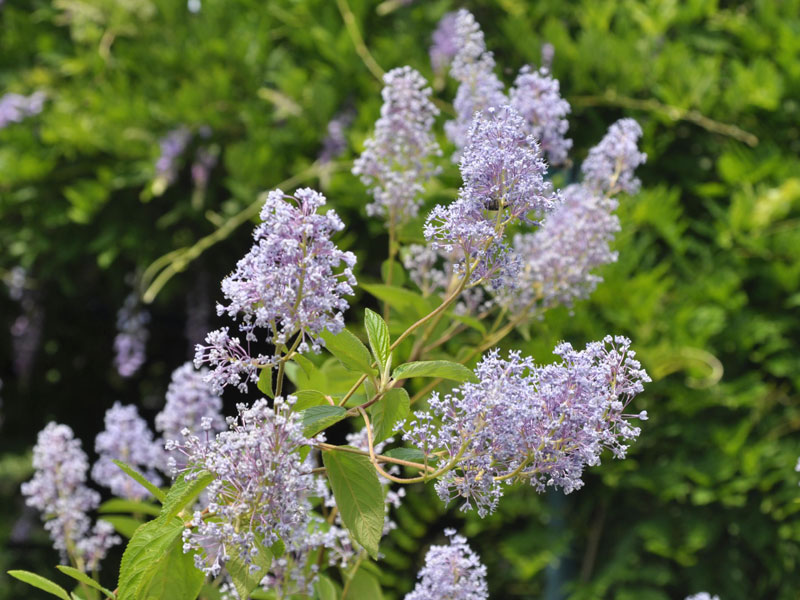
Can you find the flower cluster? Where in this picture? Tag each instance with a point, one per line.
(171, 146)
(504, 182)
(259, 480)
(286, 284)
(335, 142)
(16, 107)
(558, 258)
(58, 489)
(131, 339)
(537, 98)
(541, 424)
(702, 596)
(610, 165)
(479, 88)
(452, 572)
(397, 160)
(444, 45)
(126, 438)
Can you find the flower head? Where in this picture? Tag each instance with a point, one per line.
(16, 107)
(131, 339)
(171, 146)
(610, 165)
(541, 424)
(445, 42)
(702, 596)
(58, 489)
(126, 438)
(397, 160)
(452, 572)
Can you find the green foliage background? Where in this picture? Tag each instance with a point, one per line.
(707, 277)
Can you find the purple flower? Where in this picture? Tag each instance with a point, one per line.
(452, 572)
(397, 160)
(16, 107)
(335, 142)
(473, 68)
(445, 42)
(260, 488)
(536, 97)
(172, 146)
(558, 259)
(126, 438)
(548, 53)
(287, 285)
(610, 165)
(702, 596)
(205, 160)
(58, 490)
(541, 424)
(131, 339)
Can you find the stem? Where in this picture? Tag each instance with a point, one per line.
(358, 42)
(390, 260)
(379, 457)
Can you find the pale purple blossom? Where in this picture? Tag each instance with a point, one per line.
(126, 438)
(452, 572)
(335, 142)
(260, 488)
(58, 490)
(536, 96)
(444, 45)
(398, 161)
(205, 159)
(523, 422)
(559, 258)
(291, 283)
(548, 53)
(610, 165)
(702, 596)
(14, 108)
(171, 146)
(131, 339)
(479, 88)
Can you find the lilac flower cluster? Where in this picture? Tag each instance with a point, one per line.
(610, 165)
(541, 424)
(479, 88)
(444, 45)
(286, 284)
(702, 596)
(126, 438)
(452, 572)
(537, 98)
(172, 145)
(205, 159)
(335, 142)
(558, 258)
(58, 489)
(504, 182)
(191, 406)
(15, 107)
(26, 330)
(260, 481)
(397, 160)
(131, 339)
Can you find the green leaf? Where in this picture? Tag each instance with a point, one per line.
(434, 368)
(84, 578)
(153, 558)
(468, 321)
(410, 454)
(364, 585)
(349, 350)
(325, 589)
(308, 398)
(120, 505)
(40, 582)
(243, 578)
(265, 382)
(400, 298)
(317, 418)
(398, 274)
(141, 480)
(388, 411)
(183, 492)
(358, 495)
(126, 526)
(378, 334)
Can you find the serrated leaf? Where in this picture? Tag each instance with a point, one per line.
(175, 578)
(308, 398)
(409, 454)
(400, 298)
(183, 492)
(84, 578)
(352, 353)
(41, 583)
(244, 580)
(378, 335)
(443, 369)
(388, 412)
(141, 480)
(363, 585)
(358, 495)
(126, 526)
(120, 505)
(265, 382)
(146, 554)
(318, 418)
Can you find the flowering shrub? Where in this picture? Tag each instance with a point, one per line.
(267, 505)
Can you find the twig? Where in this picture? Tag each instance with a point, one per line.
(358, 41)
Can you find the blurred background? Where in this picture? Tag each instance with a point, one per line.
(150, 127)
